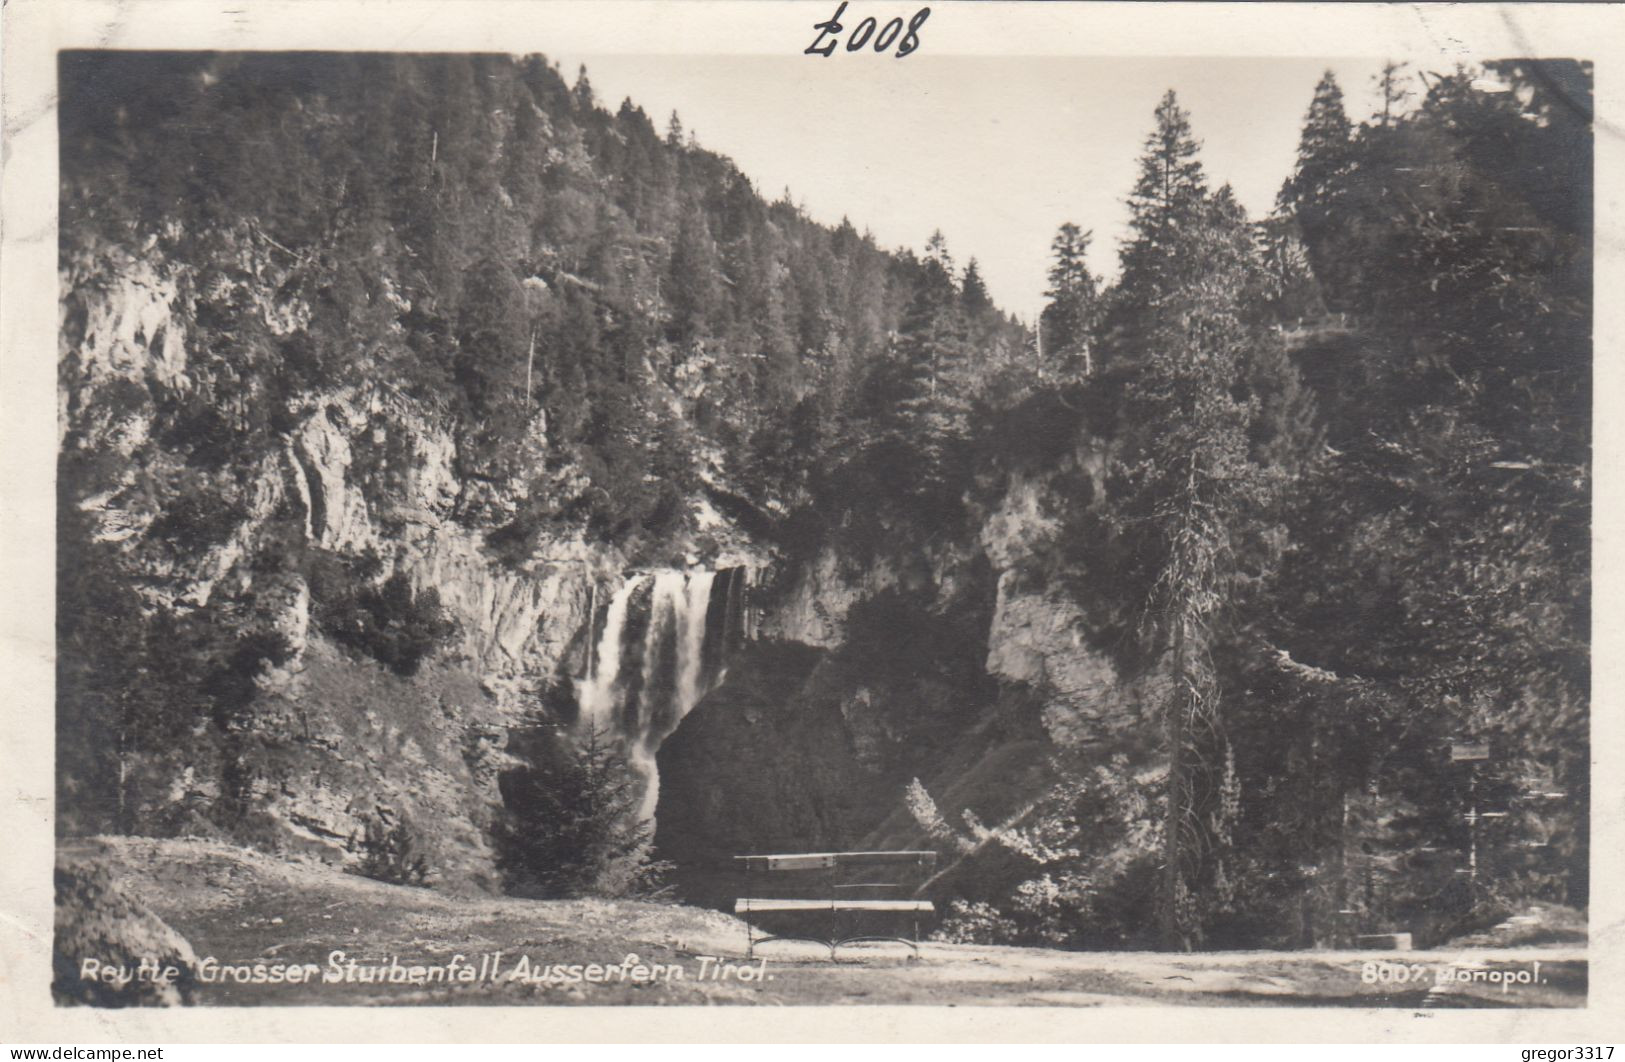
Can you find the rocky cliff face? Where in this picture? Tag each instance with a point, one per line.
(355, 472)
(960, 668)
(132, 337)
(515, 623)
(1039, 636)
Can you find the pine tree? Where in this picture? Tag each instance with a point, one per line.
(695, 294)
(1391, 85)
(1168, 201)
(936, 251)
(1171, 185)
(932, 335)
(1187, 274)
(1314, 193)
(571, 824)
(1194, 469)
(582, 94)
(1324, 149)
(931, 379)
(1435, 559)
(1067, 318)
(973, 292)
(674, 132)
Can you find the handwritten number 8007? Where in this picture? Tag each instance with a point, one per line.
(907, 40)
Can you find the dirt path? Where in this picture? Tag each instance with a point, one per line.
(349, 940)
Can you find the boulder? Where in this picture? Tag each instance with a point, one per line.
(110, 950)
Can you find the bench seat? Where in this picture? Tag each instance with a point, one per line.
(747, 905)
(842, 918)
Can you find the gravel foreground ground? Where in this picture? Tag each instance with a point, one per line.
(344, 940)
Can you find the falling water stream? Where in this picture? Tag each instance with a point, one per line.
(661, 649)
(596, 696)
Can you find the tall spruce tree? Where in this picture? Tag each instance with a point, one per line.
(571, 824)
(1067, 317)
(1314, 193)
(973, 294)
(935, 377)
(1324, 149)
(1168, 200)
(1167, 197)
(582, 94)
(936, 251)
(1187, 273)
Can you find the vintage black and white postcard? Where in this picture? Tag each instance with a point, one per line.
(549, 505)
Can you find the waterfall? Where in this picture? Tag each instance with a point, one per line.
(661, 642)
(596, 697)
(696, 603)
(657, 655)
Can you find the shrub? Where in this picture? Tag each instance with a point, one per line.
(231, 685)
(390, 623)
(198, 521)
(975, 923)
(406, 628)
(1079, 871)
(391, 851)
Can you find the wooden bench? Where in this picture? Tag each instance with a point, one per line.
(846, 909)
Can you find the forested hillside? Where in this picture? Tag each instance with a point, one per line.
(1348, 510)
(497, 244)
(425, 422)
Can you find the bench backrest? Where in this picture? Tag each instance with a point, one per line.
(835, 860)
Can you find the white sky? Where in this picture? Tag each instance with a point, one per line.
(995, 151)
